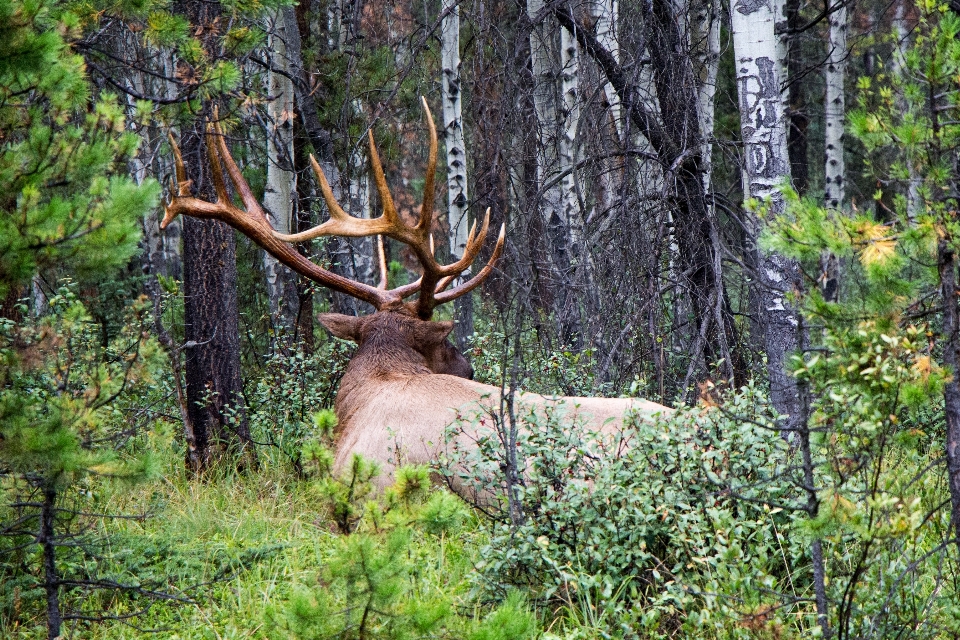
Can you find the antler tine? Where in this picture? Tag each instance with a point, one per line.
(384, 271)
(386, 199)
(214, 157)
(475, 281)
(178, 185)
(217, 148)
(426, 209)
(181, 171)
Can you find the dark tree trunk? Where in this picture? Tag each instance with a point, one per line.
(303, 221)
(802, 426)
(48, 542)
(211, 320)
(797, 105)
(946, 263)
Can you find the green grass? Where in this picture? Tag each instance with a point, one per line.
(238, 545)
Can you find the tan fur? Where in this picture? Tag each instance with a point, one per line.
(394, 408)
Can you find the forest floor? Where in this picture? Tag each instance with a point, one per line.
(240, 551)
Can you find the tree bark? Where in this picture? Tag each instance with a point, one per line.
(47, 539)
(902, 31)
(835, 110)
(766, 166)
(799, 119)
(946, 265)
(281, 180)
(458, 199)
(708, 34)
(211, 319)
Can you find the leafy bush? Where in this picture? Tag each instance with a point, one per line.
(655, 527)
(288, 395)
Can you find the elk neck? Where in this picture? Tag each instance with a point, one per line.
(385, 352)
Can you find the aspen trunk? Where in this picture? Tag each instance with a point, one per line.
(557, 135)
(766, 166)
(902, 32)
(281, 180)
(605, 13)
(707, 22)
(457, 194)
(834, 111)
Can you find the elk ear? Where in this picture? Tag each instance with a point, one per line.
(341, 326)
(433, 332)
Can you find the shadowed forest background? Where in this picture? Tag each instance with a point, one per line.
(746, 211)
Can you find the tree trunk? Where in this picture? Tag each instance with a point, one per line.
(556, 126)
(47, 539)
(797, 99)
(211, 319)
(605, 14)
(902, 31)
(304, 221)
(766, 166)
(708, 35)
(835, 111)
(457, 195)
(281, 180)
(946, 264)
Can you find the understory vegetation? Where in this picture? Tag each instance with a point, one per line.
(693, 526)
(159, 480)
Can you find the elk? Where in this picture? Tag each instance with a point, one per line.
(406, 383)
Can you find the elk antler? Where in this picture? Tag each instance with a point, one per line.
(436, 277)
(253, 223)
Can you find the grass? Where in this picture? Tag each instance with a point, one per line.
(237, 545)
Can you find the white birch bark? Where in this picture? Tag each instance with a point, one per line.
(762, 119)
(834, 109)
(545, 105)
(605, 14)
(457, 195)
(570, 215)
(766, 166)
(708, 28)
(902, 33)
(556, 106)
(281, 179)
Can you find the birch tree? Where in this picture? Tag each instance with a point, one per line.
(281, 179)
(556, 110)
(458, 197)
(707, 39)
(767, 165)
(834, 111)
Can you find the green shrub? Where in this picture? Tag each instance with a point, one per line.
(659, 527)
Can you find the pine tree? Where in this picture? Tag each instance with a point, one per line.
(65, 208)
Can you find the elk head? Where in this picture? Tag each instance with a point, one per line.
(400, 335)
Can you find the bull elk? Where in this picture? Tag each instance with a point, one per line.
(406, 383)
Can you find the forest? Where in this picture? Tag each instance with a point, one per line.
(479, 319)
